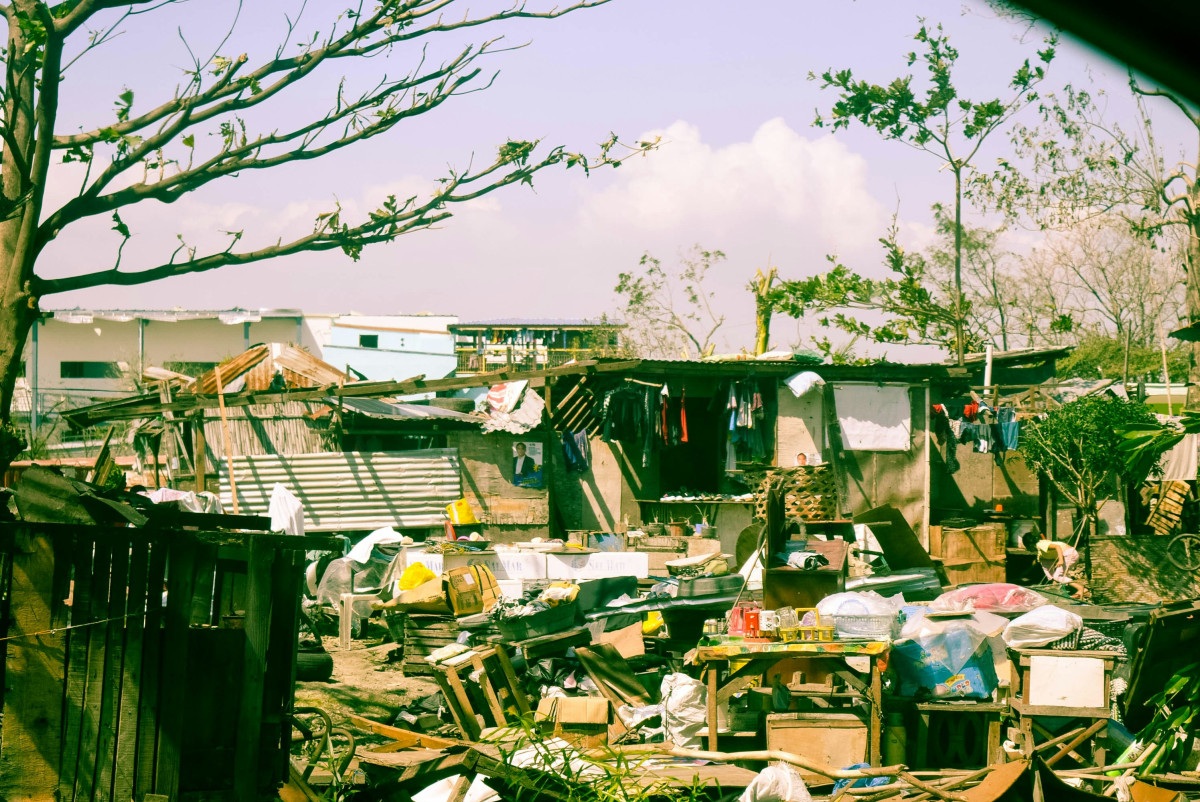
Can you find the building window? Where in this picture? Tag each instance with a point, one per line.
(89, 370)
(368, 341)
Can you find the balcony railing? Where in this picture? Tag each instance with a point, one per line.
(524, 357)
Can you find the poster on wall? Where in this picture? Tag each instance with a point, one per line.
(527, 464)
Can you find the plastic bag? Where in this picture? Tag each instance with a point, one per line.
(415, 575)
(286, 511)
(776, 783)
(866, 602)
(1042, 626)
(949, 659)
(998, 597)
(685, 709)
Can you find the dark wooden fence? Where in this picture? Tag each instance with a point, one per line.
(111, 693)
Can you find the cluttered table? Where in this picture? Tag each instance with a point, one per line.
(857, 657)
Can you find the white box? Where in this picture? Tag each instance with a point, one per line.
(598, 565)
(503, 565)
(1066, 682)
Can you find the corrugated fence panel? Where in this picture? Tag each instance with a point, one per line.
(354, 489)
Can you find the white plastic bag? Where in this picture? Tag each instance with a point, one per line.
(685, 708)
(286, 511)
(1039, 627)
(866, 602)
(776, 783)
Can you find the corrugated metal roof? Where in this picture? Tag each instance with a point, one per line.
(537, 323)
(229, 316)
(354, 490)
(377, 408)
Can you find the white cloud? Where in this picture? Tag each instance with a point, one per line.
(777, 186)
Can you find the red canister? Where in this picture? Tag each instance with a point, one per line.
(750, 622)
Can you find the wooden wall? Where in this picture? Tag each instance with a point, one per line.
(487, 468)
(867, 479)
(606, 494)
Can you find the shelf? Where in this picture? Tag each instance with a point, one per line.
(693, 503)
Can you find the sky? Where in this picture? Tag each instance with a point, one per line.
(740, 167)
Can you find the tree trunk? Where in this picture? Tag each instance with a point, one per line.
(960, 349)
(1193, 298)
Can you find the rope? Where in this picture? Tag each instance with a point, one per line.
(56, 630)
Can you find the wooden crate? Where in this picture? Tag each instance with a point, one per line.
(970, 555)
(984, 542)
(835, 739)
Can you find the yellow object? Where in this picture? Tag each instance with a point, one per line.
(415, 575)
(460, 512)
(652, 623)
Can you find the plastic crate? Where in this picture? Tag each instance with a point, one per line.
(546, 622)
(872, 627)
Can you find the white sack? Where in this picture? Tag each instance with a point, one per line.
(286, 511)
(1041, 626)
(776, 783)
(685, 709)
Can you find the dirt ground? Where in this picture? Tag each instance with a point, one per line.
(362, 685)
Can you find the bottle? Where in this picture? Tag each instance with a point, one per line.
(895, 740)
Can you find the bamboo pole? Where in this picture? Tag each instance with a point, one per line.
(225, 437)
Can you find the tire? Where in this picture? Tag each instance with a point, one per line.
(1184, 552)
(314, 666)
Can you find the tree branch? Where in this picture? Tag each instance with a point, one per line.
(1193, 117)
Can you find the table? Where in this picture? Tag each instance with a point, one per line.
(759, 657)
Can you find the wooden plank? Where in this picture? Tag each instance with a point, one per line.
(287, 573)
(398, 734)
(131, 680)
(89, 737)
(114, 656)
(172, 705)
(202, 591)
(77, 651)
(258, 615)
(147, 725)
(34, 675)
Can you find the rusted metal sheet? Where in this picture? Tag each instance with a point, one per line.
(353, 490)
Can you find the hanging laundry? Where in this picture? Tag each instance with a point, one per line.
(632, 415)
(577, 452)
(1010, 427)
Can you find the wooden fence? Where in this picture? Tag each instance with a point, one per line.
(113, 691)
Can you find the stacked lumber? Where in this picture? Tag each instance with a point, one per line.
(1164, 518)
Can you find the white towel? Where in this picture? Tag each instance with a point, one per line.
(1179, 464)
(874, 418)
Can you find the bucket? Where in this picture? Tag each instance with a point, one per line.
(677, 529)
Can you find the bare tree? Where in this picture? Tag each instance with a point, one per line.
(1077, 166)
(670, 315)
(201, 134)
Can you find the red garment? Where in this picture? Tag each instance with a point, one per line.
(683, 414)
(971, 411)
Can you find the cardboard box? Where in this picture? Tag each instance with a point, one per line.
(471, 589)
(581, 720)
(835, 739)
(428, 597)
(627, 640)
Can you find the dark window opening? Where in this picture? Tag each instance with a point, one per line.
(368, 341)
(89, 370)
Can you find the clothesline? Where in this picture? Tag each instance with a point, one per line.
(56, 630)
